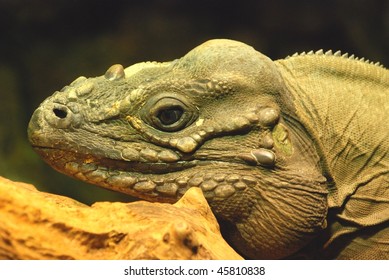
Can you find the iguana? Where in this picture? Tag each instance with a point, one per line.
(292, 154)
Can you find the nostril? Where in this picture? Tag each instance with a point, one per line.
(60, 113)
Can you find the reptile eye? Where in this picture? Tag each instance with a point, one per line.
(170, 116)
(169, 113)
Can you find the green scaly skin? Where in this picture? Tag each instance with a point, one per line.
(282, 150)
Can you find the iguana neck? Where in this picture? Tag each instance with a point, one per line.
(340, 107)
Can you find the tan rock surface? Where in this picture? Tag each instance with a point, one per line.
(38, 225)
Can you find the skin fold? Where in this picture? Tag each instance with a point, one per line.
(292, 154)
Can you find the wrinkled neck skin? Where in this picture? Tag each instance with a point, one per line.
(344, 103)
(287, 206)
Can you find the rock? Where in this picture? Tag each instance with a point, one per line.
(39, 225)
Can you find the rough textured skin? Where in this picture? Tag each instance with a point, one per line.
(288, 153)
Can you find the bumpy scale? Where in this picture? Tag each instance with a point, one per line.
(291, 154)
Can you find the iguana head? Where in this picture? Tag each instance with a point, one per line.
(219, 118)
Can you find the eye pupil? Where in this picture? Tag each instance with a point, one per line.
(169, 112)
(170, 116)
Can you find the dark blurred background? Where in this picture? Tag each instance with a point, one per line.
(44, 45)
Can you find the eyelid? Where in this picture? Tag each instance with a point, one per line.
(166, 104)
(156, 104)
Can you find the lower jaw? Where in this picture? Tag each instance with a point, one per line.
(167, 187)
(163, 183)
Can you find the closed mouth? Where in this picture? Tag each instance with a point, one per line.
(58, 158)
(151, 181)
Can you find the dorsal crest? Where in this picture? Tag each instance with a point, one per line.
(338, 53)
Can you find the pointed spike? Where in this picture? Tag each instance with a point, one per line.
(362, 59)
(310, 53)
(338, 53)
(345, 55)
(303, 53)
(295, 54)
(329, 52)
(320, 52)
(352, 56)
